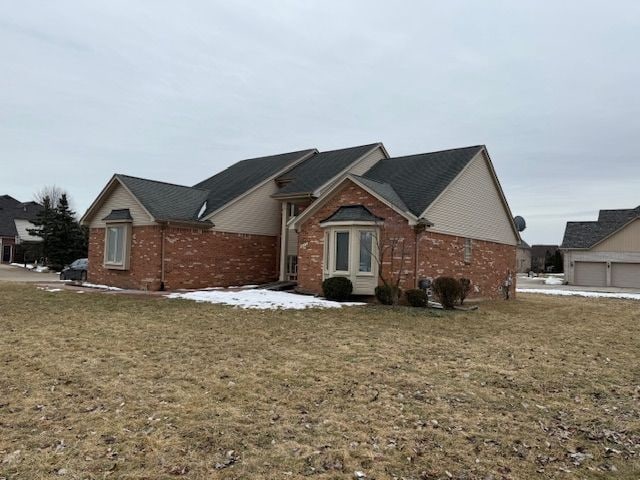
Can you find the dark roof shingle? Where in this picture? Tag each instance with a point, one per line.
(244, 175)
(119, 214)
(352, 213)
(315, 171)
(419, 179)
(166, 201)
(12, 209)
(587, 234)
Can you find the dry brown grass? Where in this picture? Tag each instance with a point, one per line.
(109, 386)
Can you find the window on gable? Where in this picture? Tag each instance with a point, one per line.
(468, 250)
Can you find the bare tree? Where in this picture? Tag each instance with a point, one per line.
(392, 251)
(51, 192)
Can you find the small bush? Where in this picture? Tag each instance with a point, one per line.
(388, 294)
(337, 288)
(447, 290)
(465, 288)
(416, 297)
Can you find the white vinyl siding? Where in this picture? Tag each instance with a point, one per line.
(120, 198)
(472, 207)
(625, 240)
(22, 227)
(256, 213)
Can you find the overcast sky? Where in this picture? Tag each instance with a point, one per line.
(176, 91)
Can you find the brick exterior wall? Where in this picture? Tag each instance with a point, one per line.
(194, 258)
(438, 254)
(8, 241)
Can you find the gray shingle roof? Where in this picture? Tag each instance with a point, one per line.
(166, 201)
(385, 190)
(12, 209)
(119, 214)
(314, 172)
(352, 213)
(244, 175)
(419, 179)
(587, 234)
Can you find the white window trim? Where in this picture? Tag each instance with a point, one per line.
(374, 239)
(329, 259)
(332, 264)
(126, 246)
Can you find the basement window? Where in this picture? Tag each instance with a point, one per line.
(468, 250)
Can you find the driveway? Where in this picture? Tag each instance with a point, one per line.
(525, 283)
(18, 274)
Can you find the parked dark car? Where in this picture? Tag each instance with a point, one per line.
(76, 271)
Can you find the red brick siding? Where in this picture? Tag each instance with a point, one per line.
(438, 254)
(194, 258)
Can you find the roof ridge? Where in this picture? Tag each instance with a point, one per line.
(272, 155)
(160, 181)
(375, 144)
(436, 151)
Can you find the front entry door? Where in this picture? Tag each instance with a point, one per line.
(6, 253)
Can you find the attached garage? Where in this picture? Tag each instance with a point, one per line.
(625, 275)
(590, 274)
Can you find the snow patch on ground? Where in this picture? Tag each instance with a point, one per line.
(554, 280)
(48, 289)
(102, 287)
(261, 299)
(580, 293)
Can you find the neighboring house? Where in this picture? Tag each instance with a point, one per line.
(542, 257)
(605, 252)
(523, 257)
(15, 220)
(304, 216)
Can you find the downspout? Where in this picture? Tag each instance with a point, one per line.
(162, 257)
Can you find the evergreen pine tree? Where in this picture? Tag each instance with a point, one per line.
(64, 240)
(44, 223)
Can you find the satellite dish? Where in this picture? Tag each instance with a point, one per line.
(521, 225)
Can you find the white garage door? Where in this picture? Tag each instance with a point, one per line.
(590, 274)
(625, 275)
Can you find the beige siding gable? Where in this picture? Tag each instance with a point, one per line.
(368, 161)
(625, 240)
(119, 197)
(256, 213)
(472, 206)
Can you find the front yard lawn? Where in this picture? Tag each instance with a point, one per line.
(100, 385)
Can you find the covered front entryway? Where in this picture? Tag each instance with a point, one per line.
(590, 274)
(625, 275)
